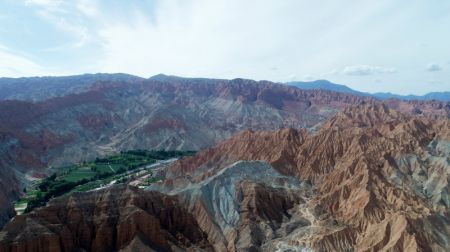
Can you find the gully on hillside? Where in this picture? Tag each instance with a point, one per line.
(369, 179)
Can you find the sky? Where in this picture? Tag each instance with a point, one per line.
(374, 46)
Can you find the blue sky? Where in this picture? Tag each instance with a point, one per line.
(394, 46)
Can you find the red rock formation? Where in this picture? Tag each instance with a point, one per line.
(373, 167)
(104, 221)
(113, 116)
(247, 145)
(380, 180)
(352, 161)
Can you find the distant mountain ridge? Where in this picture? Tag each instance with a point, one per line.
(327, 85)
(42, 88)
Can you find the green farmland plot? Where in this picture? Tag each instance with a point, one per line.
(78, 174)
(106, 168)
(90, 175)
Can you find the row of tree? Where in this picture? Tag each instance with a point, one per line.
(54, 187)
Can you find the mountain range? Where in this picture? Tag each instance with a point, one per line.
(41, 88)
(279, 168)
(370, 179)
(55, 129)
(327, 85)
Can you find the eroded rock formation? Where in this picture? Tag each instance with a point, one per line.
(370, 178)
(107, 220)
(376, 172)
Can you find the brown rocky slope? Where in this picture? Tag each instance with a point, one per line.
(173, 113)
(370, 179)
(120, 218)
(381, 178)
(112, 116)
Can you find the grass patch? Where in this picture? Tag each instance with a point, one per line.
(94, 174)
(77, 175)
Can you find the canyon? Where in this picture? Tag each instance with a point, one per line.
(279, 169)
(111, 116)
(370, 179)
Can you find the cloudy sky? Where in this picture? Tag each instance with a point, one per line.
(384, 45)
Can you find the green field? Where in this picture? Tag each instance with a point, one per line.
(104, 168)
(90, 175)
(78, 174)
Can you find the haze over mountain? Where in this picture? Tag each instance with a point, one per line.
(327, 85)
(41, 88)
(379, 46)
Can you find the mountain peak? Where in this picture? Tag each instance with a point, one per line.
(324, 85)
(330, 86)
(162, 77)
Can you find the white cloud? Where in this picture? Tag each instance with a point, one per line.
(45, 3)
(433, 67)
(307, 77)
(192, 39)
(258, 39)
(292, 77)
(70, 17)
(367, 70)
(434, 81)
(332, 72)
(88, 7)
(14, 64)
(224, 39)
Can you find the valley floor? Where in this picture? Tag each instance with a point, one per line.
(138, 168)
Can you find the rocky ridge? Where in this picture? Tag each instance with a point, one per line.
(370, 179)
(381, 178)
(111, 116)
(121, 218)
